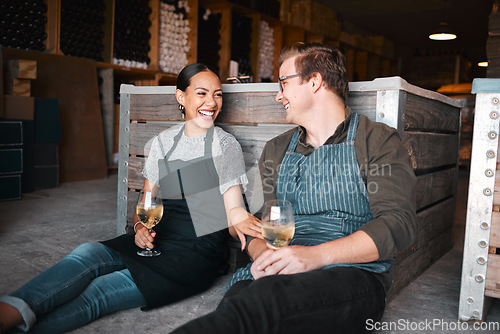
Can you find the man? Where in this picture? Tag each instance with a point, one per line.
(353, 195)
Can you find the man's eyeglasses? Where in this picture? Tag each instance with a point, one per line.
(280, 80)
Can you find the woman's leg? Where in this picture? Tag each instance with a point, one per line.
(61, 283)
(105, 294)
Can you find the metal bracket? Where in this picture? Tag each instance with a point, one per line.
(479, 206)
(123, 154)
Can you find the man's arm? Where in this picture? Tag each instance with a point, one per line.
(391, 185)
(391, 189)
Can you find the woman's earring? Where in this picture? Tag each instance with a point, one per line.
(182, 109)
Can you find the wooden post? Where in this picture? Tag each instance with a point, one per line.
(278, 45)
(53, 26)
(254, 46)
(193, 34)
(225, 43)
(154, 30)
(109, 31)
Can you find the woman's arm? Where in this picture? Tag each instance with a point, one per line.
(240, 221)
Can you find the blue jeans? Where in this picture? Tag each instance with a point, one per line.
(334, 300)
(88, 283)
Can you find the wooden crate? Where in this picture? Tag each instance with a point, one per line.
(481, 264)
(428, 122)
(429, 125)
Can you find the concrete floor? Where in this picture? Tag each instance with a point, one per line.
(40, 229)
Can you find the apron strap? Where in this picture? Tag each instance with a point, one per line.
(207, 150)
(176, 141)
(294, 141)
(353, 126)
(208, 141)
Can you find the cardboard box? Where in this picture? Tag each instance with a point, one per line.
(10, 187)
(11, 161)
(48, 131)
(45, 154)
(18, 87)
(11, 134)
(46, 109)
(46, 177)
(21, 68)
(19, 107)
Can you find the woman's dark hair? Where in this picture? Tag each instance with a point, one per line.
(184, 77)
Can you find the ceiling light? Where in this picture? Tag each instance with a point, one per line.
(443, 33)
(482, 64)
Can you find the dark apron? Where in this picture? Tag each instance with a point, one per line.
(191, 235)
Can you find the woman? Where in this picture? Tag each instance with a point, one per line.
(206, 164)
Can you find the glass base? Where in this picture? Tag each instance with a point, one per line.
(148, 252)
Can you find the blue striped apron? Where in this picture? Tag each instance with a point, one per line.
(328, 196)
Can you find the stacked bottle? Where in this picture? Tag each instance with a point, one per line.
(174, 35)
(209, 39)
(82, 29)
(266, 52)
(131, 36)
(22, 24)
(241, 39)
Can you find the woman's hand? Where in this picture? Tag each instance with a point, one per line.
(143, 238)
(243, 224)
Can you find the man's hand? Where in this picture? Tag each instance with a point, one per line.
(287, 260)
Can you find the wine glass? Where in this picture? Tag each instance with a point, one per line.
(277, 223)
(149, 211)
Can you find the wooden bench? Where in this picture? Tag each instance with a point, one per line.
(428, 122)
(481, 258)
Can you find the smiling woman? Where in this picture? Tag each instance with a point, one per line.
(198, 170)
(201, 101)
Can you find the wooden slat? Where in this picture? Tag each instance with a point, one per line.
(496, 193)
(495, 229)
(411, 267)
(238, 108)
(492, 286)
(142, 133)
(434, 221)
(435, 186)
(132, 198)
(251, 138)
(135, 178)
(251, 108)
(364, 103)
(431, 150)
(162, 107)
(430, 115)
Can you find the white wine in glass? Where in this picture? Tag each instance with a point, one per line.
(277, 223)
(149, 211)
